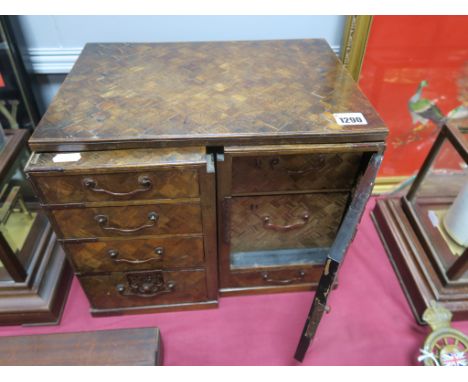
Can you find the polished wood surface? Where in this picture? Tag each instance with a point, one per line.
(276, 278)
(125, 160)
(133, 95)
(294, 172)
(40, 299)
(285, 221)
(128, 221)
(119, 347)
(155, 287)
(117, 218)
(117, 175)
(419, 278)
(208, 206)
(119, 186)
(135, 254)
(279, 213)
(231, 144)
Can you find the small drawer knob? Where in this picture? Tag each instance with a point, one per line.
(89, 182)
(145, 181)
(120, 288)
(101, 219)
(171, 285)
(113, 253)
(153, 216)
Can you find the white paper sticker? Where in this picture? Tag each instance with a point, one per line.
(68, 157)
(349, 119)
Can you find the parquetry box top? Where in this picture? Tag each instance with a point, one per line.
(211, 93)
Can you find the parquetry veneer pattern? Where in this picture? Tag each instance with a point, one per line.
(205, 168)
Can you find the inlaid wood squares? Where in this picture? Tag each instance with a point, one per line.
(196, 169)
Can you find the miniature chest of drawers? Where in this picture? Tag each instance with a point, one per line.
(175, 172)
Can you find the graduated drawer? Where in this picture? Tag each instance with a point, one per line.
(135, 220)
(135, 254)
(276, 277)
(164, 184)
(263, 223)
(286, 172)
(117, 175)
(132, 289)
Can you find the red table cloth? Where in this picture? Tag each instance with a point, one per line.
(370, 322)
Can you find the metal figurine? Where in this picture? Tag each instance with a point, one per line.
(445, 346)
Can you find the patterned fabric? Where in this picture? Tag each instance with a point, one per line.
(453, 359)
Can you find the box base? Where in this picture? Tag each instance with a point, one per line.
(419, 280)
(153, 309)
(40, 300)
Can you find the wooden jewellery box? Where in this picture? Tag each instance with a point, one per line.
(173, 173)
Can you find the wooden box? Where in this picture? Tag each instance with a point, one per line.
(200, 167)
(117, 347)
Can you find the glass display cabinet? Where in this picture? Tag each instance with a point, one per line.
(425, 231)
(18, 108)
(17, 216)
(34, 275)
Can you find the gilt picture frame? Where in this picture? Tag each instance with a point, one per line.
(414, 70)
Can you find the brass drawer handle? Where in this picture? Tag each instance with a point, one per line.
(114, 255)
(103, 221)
(145, 290)
(268, 279)
(145, 284)
(143, 181)
(269, 225)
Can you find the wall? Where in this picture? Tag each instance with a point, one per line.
(51, 44)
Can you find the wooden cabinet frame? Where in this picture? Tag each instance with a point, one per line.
(287, 278)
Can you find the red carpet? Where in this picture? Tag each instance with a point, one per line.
(370, 322)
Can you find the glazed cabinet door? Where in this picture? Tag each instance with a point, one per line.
(279, 209)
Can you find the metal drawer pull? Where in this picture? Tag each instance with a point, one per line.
(145, 290)
(145, 284)
(267, 278)
(103, 221)
(114, 255)
(143, 180)
(268, 224)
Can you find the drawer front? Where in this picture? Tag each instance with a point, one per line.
(132, 289)
(279, 277)
(284, 221)
(128, 255)
(294, 172)
(151, 219)
(118, 187)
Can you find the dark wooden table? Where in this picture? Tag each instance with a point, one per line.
(120, 347)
